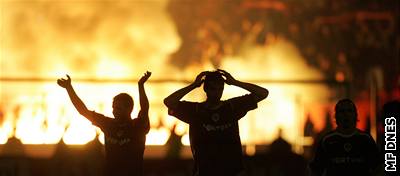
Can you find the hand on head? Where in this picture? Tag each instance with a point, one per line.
(228, 77)
(200, 78)
(64, 82)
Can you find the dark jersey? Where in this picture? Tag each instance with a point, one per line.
(214, 134)
(124, 144)
(345, 155)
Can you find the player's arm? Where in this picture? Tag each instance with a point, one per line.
(144, 102)
(76, 101)
(258, 92)
(172, 100)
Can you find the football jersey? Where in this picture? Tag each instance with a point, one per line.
(345, 155)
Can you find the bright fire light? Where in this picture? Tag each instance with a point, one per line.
(38, 44)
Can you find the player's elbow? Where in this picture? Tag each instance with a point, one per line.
(170, 103)
(262, 95)
(167, 102)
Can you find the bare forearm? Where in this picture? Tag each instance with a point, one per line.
(77, 102)
(259, 92)
(179, 94)
(144, 102)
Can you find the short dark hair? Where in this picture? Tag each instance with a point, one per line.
(391, 108)
(126, 99)
(345, 100)
(213, 76)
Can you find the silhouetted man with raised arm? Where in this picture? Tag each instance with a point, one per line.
(124, 137)
(345, 151)
(214, 129)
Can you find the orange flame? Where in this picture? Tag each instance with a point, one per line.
(120, 41)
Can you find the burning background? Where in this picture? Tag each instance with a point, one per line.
(307, 53)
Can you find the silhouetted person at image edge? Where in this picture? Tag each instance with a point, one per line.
(124, 137)
(390, 109)
(213, 124)
(345, 151)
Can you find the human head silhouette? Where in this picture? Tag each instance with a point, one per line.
(346, 114)
(214, 85)
(122, 106)
(391, 108)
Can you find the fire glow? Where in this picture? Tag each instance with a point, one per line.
(120, 41)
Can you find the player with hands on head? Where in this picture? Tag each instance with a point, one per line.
(213, 124)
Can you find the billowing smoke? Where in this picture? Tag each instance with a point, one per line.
(122, 39)
(113, 39)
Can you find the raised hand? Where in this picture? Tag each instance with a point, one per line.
(65, 83)
(199, 79)
(228, 77)
(145, 77)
